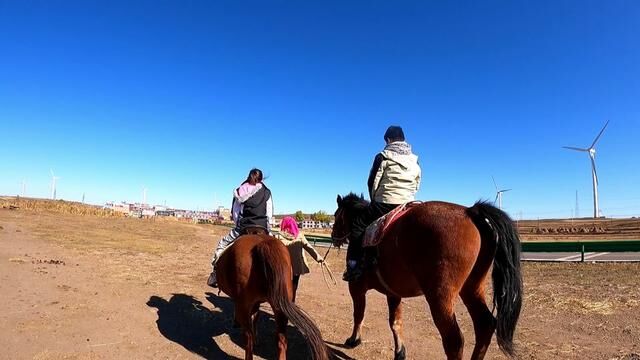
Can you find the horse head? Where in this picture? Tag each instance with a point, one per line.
(348, 207)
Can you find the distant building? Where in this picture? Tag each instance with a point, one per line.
(165, 213)
(312, 224)
(120, 207)
(223, 213)
(146, 210)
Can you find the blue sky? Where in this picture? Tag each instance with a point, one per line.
(185, 97)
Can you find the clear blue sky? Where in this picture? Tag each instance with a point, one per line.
(184, 97)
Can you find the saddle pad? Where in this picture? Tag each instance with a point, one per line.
(374, 233)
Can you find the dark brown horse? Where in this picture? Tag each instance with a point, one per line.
(257, 269)
(441, 251)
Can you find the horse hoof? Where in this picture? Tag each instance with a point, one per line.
(401, 355)
(351, 342)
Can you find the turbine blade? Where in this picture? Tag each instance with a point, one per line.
(575, 148)
(494, 183)
(505, 190)
(496, 199)
(600, 134)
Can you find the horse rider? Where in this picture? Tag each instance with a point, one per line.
(394, 179)
(251, 207)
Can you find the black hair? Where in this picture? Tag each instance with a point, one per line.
(394, 133)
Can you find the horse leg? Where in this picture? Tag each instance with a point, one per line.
(244, 318)
(395, 322)
(484, 323)
(442, 311)
(359, 304)
(281, 330)
(255, 316)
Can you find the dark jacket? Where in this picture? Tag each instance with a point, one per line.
(254, 212)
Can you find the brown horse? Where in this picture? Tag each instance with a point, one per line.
(441, 251)
(257, 269)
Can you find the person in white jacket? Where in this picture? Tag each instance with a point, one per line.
(394, 180)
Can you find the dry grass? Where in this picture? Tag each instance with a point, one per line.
(585, 307)
(131, 235)
(55, 206)
(97, 228)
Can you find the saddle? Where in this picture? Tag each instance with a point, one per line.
(375, 232)
(254, 230)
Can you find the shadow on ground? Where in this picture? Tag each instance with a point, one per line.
(186, 321)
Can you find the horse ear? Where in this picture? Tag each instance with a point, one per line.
(361, 196)
(339, 200)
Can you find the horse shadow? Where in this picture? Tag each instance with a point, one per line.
(186, 321)
(266, 334)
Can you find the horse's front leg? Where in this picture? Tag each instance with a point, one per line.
(395, 322)
(358, 296)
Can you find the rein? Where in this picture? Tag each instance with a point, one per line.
(324, 267)
(341, 240)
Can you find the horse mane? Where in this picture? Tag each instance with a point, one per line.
(354, 201)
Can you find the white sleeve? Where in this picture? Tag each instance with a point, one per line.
(270, 210)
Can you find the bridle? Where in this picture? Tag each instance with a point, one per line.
(340, 240)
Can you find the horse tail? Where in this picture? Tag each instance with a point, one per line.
(495, 225)
(269, 256)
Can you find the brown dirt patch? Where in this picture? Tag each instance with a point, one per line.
(87, 287)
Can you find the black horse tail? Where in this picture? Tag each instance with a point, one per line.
(495, 225)
(270, 256)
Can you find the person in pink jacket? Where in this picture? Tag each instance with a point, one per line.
(295, 241)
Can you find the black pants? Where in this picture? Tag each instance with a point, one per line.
(370, 214)
(296, 281)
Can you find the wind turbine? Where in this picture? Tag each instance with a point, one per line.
(591, 150)
(54, 179)
(24, 188)
(499, 194)
(144, 195)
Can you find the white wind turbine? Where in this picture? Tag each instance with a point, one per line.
(54, 180)
(591, 150)
(144, 195)
(499, 194)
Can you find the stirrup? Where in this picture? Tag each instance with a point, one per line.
(212, 281)
(352, 273)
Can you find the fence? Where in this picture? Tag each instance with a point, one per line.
(552, 246)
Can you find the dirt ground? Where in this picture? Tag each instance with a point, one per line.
(84, 287)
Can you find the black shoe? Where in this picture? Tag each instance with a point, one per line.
(212, 281)
(352, 273)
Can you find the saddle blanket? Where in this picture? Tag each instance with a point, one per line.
(374, 233)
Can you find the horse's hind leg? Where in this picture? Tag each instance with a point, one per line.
(281, 330)
(442, 311)
(244, 319)
(255, 316)
(358, 292)
(395, 322)
(473, 296)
